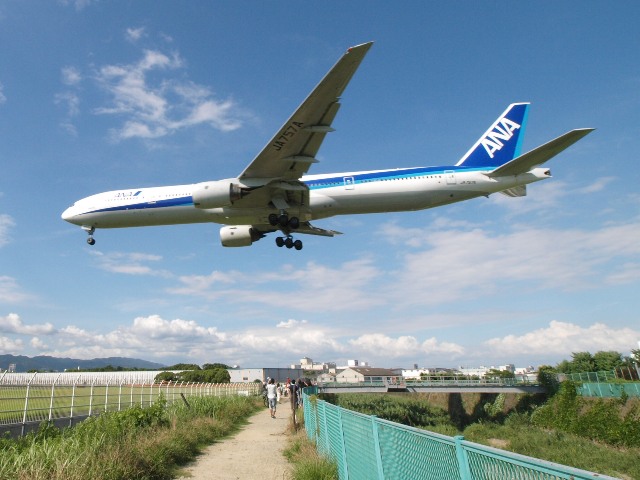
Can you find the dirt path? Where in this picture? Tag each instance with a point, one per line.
(255, 452)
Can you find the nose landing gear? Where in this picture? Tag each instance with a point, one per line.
(90, 231)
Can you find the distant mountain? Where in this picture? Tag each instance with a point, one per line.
(46, 363)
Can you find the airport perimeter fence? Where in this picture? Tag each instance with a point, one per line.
(611, 384)
(366, 447)
(65, 400)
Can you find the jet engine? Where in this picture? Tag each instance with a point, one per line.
(239, 236)
(216, 194)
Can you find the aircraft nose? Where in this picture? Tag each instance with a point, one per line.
(67, 215)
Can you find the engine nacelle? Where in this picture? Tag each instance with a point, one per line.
(239, 236)
(216, 194)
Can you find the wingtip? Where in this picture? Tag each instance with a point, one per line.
(365, 45)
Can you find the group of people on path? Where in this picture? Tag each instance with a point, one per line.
(292, 389)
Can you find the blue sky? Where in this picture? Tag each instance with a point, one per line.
(97, 96)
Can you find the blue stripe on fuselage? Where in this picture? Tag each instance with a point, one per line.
(170, 202)
(328, 182)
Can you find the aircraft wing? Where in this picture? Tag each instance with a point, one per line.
(305, 227)
(538, 156)
(292, 150)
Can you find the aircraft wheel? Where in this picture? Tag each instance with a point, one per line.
(294, 222)
(280, 241)
(298, 244)
(273, 219)
(91, 241)
(288, 243)
(283, 220)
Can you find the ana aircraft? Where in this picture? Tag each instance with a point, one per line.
(273, 193)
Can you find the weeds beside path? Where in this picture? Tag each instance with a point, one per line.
(254, 452)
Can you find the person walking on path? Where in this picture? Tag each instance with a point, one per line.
(271, 397)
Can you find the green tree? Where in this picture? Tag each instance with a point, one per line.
(217, 375)
(582, 362)
(548, 379)
(192, 376)
(166, 377)
(607, 361)
(211, 366)
(495, 373)
(183, 366)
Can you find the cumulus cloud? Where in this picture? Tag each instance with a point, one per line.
(153, 109)
(10, 346)
(12, 323)
(403, 346)
(561, 338)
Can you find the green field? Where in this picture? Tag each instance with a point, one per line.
(45, 402)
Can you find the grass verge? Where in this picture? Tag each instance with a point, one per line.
(307, 463)
(137, 443)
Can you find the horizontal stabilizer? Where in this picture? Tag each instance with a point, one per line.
(538, 156)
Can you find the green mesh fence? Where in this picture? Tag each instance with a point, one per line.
(368, 448)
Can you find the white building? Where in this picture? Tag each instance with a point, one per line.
(416, 373)
(308, 364)
(482, 370)
(367, 375)
(248, 375)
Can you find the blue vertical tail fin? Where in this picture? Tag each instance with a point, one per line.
(501, 143)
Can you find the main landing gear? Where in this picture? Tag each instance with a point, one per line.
(286, 224)
(90, 231)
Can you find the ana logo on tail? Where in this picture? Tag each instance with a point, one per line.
(503, 131)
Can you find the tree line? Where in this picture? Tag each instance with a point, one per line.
(190, 372)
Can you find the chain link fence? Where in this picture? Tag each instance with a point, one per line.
(26, 400)
(366, 447)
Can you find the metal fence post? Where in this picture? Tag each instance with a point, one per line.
(463, 459)
(53, 387)
(91, 397)
(26, 404)
(376, 444)
(73, 399)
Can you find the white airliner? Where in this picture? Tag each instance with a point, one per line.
(274, 194)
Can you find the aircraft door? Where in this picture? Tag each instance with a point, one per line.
(349, 183)
(450, 175)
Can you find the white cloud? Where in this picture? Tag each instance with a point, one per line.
(11, 292)
(157, 108)
(134, 34)
(562, 338)
(473, 263)
(403, 346)
(71, 76)
(12, 323)
(291, 323)
(6, 223)
(38, 344)
(78, 4)
(129, 263)
(308, 287)
(3, 98)
(10, 346)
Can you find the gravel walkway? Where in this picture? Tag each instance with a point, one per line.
(255, 452)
